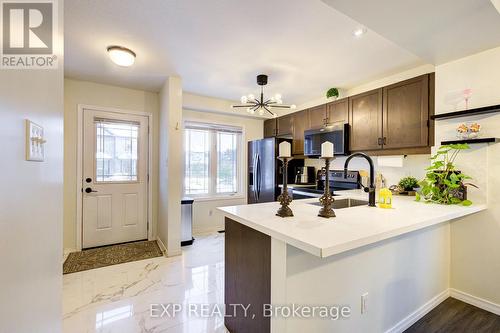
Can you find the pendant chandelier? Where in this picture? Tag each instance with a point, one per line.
(261, 105)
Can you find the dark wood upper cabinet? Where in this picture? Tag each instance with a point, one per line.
(300, 124)
(285, 125)
(395, 118)
(270, 128)
(365, 118)
(317, 116)
(338, 111)
(406, 113)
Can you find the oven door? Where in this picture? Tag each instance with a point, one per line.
(336, 133)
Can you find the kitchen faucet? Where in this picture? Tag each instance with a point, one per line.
(371, 188)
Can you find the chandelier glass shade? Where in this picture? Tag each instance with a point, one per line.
(260, 104)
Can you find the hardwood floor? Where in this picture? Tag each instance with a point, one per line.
(456, 316)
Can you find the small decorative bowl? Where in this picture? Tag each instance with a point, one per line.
(468, 131)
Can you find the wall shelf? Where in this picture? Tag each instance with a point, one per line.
(471, 141)
(467, 113)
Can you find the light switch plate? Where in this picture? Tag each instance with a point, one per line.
(35, 141)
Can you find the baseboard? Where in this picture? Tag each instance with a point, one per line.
(419, 313)
(162, 246)
(476, 301)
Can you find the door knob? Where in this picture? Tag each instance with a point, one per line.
(89, 190)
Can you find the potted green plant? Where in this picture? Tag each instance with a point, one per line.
(443, 183)
(332, 93)
(408, 185)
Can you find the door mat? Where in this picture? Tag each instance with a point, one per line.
(110, 255)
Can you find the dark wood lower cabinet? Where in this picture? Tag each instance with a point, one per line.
(247, 278)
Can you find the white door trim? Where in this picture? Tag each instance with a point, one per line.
(79, 167)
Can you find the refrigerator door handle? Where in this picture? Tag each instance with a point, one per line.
(259, 180)
(254, 187)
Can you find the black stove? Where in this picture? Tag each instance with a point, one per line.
(337, 183)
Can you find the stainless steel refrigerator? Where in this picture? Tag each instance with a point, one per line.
(265, 170)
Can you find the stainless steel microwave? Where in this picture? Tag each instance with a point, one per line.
(336, 133)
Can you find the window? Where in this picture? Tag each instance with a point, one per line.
(116, 151)
(212, 159)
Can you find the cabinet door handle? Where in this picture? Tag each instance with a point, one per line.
(384, 141)
(379, 141)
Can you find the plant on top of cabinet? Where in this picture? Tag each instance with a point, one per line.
(332, 93)
(443, 183)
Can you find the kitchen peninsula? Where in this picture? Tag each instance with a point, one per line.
(397, 260)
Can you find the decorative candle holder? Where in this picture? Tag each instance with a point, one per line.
(327, 199)
(284, 198)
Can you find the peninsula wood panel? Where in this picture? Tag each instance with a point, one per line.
(365, 118)
(406, 113)
(247, 277)
(300, 124)
(269, 128)
(338, 111)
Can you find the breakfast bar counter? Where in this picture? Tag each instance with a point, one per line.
(395, 261)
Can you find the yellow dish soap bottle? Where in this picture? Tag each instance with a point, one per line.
(385, 198)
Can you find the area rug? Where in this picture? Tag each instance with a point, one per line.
(110, 255)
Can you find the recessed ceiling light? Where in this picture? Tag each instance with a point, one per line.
(121, 55)
(496, 3)
(359, 32)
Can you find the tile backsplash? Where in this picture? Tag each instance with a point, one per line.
(413, 165)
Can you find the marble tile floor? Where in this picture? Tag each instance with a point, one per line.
(117, 299)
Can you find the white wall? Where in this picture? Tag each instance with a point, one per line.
(170, 166)
(205, 217)
(475, 240)
(31, 207)
(96, 94)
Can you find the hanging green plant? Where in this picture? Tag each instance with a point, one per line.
(332, 93)
(443, 183)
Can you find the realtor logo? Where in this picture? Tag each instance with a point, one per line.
(28, 34)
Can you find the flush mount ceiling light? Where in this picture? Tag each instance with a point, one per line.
(496, 3)
(262, 105)
(359, 32)
(121, 55)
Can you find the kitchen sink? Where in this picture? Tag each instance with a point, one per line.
(344, 203)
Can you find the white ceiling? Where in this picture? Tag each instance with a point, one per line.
(437, 31)
(305, 46)
(219, 46)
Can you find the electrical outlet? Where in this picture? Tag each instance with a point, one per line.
(364, 301)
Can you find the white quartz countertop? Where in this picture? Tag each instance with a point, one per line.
(350, 229)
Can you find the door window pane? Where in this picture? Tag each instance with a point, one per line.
(116, 151)
(227, 162)
(197, 161)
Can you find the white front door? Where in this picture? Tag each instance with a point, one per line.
(115, 172)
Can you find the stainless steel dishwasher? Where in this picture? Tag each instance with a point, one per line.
(187, 221)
